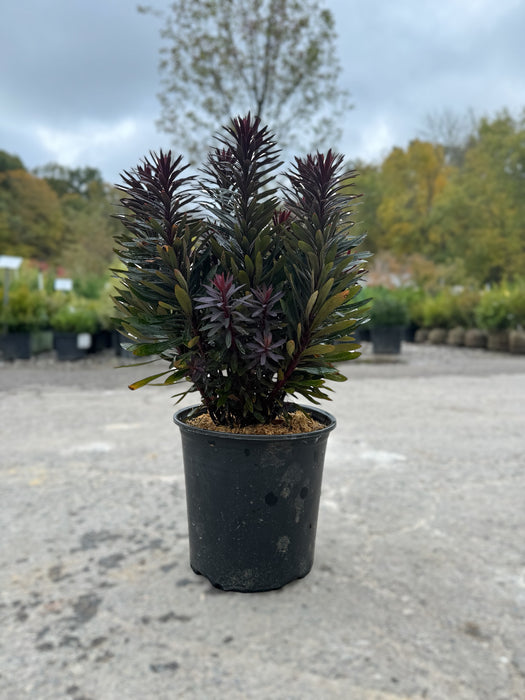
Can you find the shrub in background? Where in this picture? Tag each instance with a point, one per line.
(26, 310)
(388, 307)
(517, 305)
(494, 311)
(441, 310)
(75, 315)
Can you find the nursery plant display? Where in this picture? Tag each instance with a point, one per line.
(74, 324)
(23, 324)
(388, 319)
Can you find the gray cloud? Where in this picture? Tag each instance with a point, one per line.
(79, 80)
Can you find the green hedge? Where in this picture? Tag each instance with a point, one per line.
(501, 307)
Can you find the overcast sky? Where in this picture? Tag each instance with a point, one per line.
(79, 78)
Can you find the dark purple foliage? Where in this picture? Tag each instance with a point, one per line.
(246, 291)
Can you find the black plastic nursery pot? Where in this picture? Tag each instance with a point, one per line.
(15, 346)
(23, 345)
(72, 346)
(386, 340)
(252, 502)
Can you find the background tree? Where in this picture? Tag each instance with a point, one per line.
(450, 130)
(366, 207)
(69, 180)
(10, 162)
(410, 182)
(87, 204)
(31, 223)
(90, 231)
(275, 58)
(64, 217)
(483, 206)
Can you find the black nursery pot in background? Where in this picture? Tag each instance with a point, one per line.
(252, 502)
(24, 344)
(386, 340)
(15, 346)
(72, 346)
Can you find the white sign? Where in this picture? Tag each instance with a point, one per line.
(63, 284)
(84, 341)
(10, 262)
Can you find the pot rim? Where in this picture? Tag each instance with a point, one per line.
(325, 416)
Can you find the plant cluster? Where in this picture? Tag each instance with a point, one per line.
(448, 309)
(246, 289)
(25, 311)
(496, 308)
(75, 317)
(30, 309)
(388, 308)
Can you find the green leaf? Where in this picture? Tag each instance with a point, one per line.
(144, 349)
(325, 290)
(243, 277)
(328, 307)
(313, 259)
(337, 377)
(155, 288)
(249, 265)
(343, 356)
(336, 327)
(258, 267)
(168, 307)
(180, 279)
(183, 299)
(290, 348)
(311, 302)
(318, 350)
(147, 380)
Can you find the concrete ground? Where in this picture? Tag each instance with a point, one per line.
(418, 589)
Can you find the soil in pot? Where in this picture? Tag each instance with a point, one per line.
(298, 422)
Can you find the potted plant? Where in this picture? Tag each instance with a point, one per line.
(23, 323)
(74, 324)
(517, 308)
(388, 319)
(494, 315)
(248, 292)
(412, 298)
